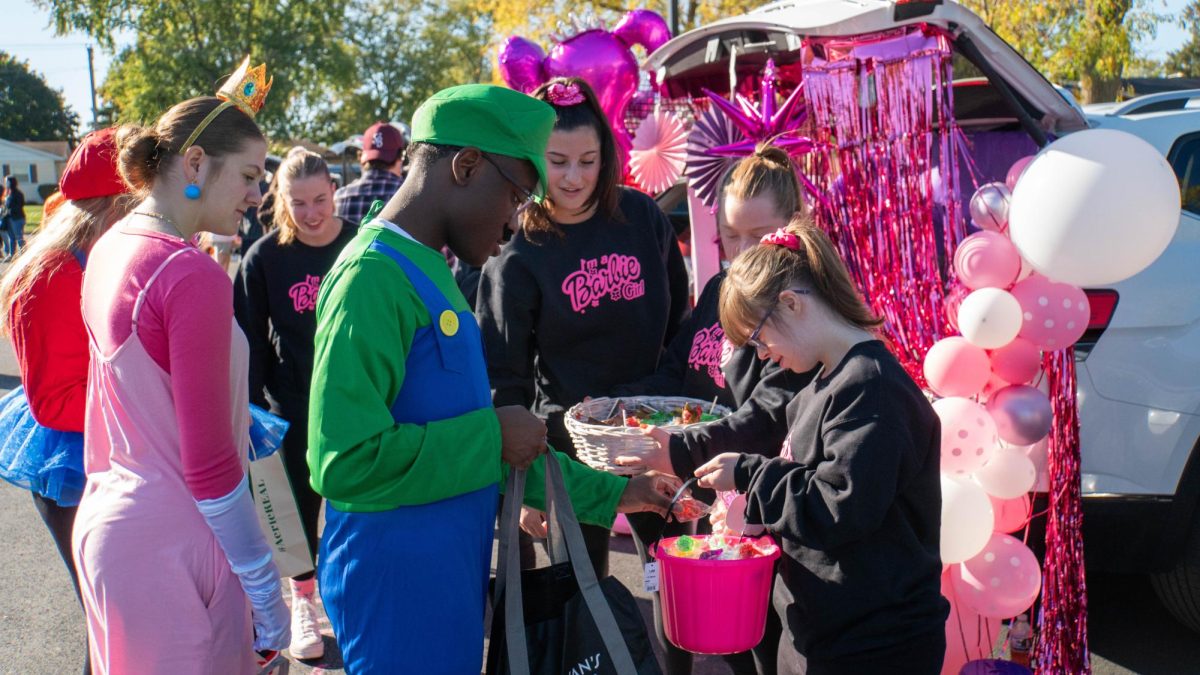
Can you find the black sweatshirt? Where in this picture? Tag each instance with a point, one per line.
(700, 363)
(576, 315)
(858, 510)
(275, 303)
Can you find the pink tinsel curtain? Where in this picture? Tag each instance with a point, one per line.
(883, 119)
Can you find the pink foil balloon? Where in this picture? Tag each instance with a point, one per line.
(1011, 514)
(1017, 362)
(643, 27)
(955, 367)
(1022, 414)
(987, 260)
(1054, 314)
(521, 64)
(1014, 172)
(1001, 581)
(968, 435)
(989, 207)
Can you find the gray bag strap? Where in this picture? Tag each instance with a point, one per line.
(508, 575)
(562, 522)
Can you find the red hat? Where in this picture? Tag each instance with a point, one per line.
(92, 169)
(382, 141)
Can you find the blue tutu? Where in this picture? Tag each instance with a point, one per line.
(42, 460)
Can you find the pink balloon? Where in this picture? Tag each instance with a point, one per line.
(987, 260)
(1011, 514)
(1001, 581)
(1014, 172)
(989, 207)
(606, 63)
(968, 435)
(994, 384)
(1017, 362)
(954, 298)
(968, 635)
(1022, 414)
(521, 64)
(955, 367)
(643, 27)
(1054, 314)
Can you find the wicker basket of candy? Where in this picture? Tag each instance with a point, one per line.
(606, 428)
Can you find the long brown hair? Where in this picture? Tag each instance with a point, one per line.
(148, 152)
(75, 225)
(299, 163)
(587, 113)
(759, 275)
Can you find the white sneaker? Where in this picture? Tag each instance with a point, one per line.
(306, 633)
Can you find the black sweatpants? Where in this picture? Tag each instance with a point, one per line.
(295, 463)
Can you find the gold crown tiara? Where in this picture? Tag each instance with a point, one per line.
(247, 89)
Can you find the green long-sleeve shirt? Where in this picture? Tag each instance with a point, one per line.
(359, 457)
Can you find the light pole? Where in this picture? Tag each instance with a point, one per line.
(92, 81)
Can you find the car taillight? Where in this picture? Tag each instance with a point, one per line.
(1103, 304)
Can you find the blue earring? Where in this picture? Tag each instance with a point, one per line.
(192, 191)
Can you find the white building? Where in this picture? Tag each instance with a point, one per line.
(31, 166)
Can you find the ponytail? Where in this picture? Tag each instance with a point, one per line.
(801, 255)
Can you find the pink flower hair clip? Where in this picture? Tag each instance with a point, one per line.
(782, 237)
(564, 94)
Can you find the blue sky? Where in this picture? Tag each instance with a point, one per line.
(62, 60)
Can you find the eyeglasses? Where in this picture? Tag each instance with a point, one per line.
(528, 196)
(753, 340)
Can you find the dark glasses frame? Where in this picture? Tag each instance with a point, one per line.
(753, 340)
(528, 195)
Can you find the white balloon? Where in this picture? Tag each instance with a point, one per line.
(1008, 474)
(1095, 207)
(967, 520)
(989, 318)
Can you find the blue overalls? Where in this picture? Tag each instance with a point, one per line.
(405, 589)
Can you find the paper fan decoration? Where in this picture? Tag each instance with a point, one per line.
(659, 150)
(704, 170)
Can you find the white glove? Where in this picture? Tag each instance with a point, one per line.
(234, 523)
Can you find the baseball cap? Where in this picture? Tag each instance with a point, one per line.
(494, 119)
(382, 141)
(92, 169)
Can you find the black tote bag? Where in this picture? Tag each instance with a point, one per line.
(572, 624)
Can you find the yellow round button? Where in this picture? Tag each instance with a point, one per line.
(449, 322)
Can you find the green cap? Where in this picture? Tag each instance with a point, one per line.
(494, 119)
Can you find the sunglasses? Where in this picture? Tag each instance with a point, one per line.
(527, 196)
(753, 340)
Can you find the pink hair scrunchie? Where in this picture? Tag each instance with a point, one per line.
(782, 237)
(561, 94)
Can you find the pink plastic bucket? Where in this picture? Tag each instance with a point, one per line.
(714, 606)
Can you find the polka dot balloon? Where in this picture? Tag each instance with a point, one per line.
(1001, 581)
(968, 435)
(1053, 315)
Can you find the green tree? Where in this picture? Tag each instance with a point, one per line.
(1089, 41)
(1186, 60)
(184, 48)
(403, 52)
(29, 109)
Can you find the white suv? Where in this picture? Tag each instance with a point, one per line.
(1139, 363)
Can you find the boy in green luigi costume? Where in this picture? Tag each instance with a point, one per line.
(403, 440)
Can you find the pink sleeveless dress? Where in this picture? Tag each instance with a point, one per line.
(158, 591)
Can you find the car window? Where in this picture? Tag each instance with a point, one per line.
(1185, 159)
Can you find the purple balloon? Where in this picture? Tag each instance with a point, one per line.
(1022, 414)
(521, 64)
(643, 27)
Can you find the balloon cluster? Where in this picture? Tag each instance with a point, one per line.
(1062, 219)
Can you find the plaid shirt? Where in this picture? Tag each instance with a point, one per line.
(352, 201)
